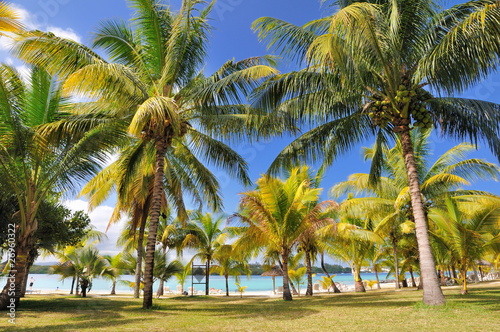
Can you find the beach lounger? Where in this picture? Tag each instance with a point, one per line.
(279, 290)
(167, 290)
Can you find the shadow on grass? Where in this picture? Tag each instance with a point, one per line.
(113, 313)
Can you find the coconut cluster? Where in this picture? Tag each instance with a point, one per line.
(381, 110)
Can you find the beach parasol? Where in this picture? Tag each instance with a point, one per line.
(274, 272)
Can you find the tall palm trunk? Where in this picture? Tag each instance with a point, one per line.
(413, 283)
(161, 147)
(207, 276)
(335, 288)
(77, 289)
(72, 285)
(396, 260)
(287, 295)
(432, 291)
(290, 283)
(309, 291)
(113, 288)
(376, 277)
(227, 284)
(140, 254)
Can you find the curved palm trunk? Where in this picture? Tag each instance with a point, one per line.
(413, 283)
(140, 254)
(161, 148)
(159, 291)
(309, 291)
(287, 295)
(359, 287)
(335, 288)
(11, 293)
(31, 259)
(113, 288)
(432, 291)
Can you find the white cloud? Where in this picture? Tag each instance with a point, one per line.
(32, 22)
(67, 33)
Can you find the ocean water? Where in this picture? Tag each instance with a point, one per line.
(255, 283)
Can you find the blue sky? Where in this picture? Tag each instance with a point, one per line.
(231, 38)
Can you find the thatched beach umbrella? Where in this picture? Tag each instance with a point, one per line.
(274, 272)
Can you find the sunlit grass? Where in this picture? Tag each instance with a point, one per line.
(373, 311)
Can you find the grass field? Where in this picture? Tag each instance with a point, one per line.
(374, 311)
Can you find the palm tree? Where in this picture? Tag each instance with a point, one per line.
(183, 275)
(164, 269)
(9, 20)
(32, 166)
(278, 213)
(367, 66)
(85, 264)
(352, 243)
(388, 202)
(205, 235)
(229, 264)
(155, 90)
(116, 267)
(465, 229)
(297, 276)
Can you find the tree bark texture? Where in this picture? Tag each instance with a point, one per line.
(432, 294)
(161, 148)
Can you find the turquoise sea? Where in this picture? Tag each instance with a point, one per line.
(255, 283)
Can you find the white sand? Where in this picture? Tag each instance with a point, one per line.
(231, 293)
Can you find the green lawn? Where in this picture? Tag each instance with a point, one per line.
(373, 311)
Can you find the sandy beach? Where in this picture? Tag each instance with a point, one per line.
(269, 293)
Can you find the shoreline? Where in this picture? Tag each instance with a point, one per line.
(266, 293)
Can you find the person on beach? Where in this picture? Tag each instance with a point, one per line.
(32, 281)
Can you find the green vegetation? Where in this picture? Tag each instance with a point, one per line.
(372, 311)
(368, 70)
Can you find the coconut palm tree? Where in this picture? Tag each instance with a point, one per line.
(277, 213)
(352, 243)
(156, 91)
(388, 202)
(367, 67)
(183, 275)
(465, 228)
(204, 234)
(165, 269)
(84, 263)
(9, 19)
(229, 264)
(116, 267)
(32, 166)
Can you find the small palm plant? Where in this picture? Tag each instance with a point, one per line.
(240, 289)
(326, 282)
(297, 276)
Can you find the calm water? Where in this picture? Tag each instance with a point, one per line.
(255, 283)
